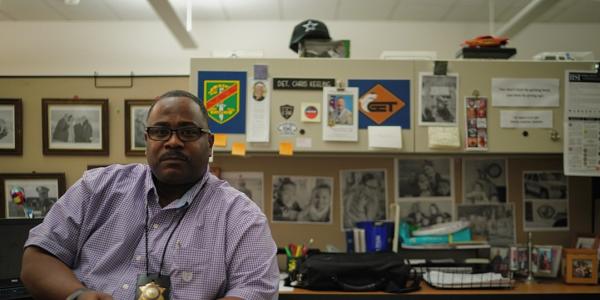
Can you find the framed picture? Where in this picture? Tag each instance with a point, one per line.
(136, 112)
(40, 190)
(11, 127)
(75, 126)
(581, 266)
(545, 260)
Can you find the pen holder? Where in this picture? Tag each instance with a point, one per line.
(293, 265)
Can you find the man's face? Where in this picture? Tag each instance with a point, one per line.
(340, 104)
(174, 161)
(259, 90)
(442, 102)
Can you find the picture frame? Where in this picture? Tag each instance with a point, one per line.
(75, 126)
(136, 111)
(581, 266)
(41, 191)
(546, 260)
(11, 126)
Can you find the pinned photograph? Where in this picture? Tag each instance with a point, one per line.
(249, 183)
(438, 99)
(75, 126)
(423, 213)
(476, 123)
(342, 114)
(494, 223)
(136, 113)
(424, 178)
(11, 126)
(364, 196)
(259, 90)
(484, 180)
(302, 199)
(545, 201)
(30, 195)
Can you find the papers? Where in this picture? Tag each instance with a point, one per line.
(286, 148)
(525, 119)
(523, 92)
(238, 149)
(461, 281)
(443, 137)
(220, 140)
(385, 137)
(304, 142)
(259, 104)
(582, 124)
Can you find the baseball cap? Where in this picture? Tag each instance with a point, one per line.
(308, 29)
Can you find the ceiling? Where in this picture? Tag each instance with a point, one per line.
(570, 11)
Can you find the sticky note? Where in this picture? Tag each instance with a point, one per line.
(220, 140)
(238, 149)
(286, 148)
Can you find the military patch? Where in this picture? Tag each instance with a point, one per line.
(222, 99)
(286, 111)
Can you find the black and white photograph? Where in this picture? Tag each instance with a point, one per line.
(424, 178)
(30, 195)
(545, 201)
(546, 215)
(75, 126)
(136, 112)
(484, 180)
(11, 122)
(494, 223)
(545, 185)
(438, 96)
(249, 183)
(302, 199)
(423, 213)
(364, 196)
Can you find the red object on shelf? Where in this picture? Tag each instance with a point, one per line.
(486, 41)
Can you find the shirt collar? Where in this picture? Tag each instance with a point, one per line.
(186, 199)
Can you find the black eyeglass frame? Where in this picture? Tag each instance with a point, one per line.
(177, 130)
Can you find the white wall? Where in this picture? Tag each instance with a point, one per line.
(81, 48)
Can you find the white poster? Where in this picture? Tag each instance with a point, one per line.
(526, 119)
(438, 99)
(582, 124)
(525, 92)
(545, 201)
(342, 114)
(257, 118)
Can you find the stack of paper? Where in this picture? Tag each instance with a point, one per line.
(465, 281)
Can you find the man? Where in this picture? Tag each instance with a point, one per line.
(61, 131)
(258, 91)
(166, 229)
(343, 116)
(83, 131)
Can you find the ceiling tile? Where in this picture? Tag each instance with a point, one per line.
(309, 9)
(252, 10)
(422, 10)
(372, 10)
(573, 11)
(34, 10)
(84, 11)
(204, 10)
(133, 10)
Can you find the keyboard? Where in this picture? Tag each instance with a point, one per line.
(14, 292)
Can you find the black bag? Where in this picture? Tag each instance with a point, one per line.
(356, 272)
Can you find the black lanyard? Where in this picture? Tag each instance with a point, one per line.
(162, 260)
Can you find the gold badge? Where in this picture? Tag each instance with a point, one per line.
(151, 291)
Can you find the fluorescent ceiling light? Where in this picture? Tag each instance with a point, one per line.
(188, 23)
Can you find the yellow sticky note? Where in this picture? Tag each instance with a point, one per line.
(286, 148)
(220, 140)
(238, 149)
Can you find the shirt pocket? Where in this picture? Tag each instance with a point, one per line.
(194, 275)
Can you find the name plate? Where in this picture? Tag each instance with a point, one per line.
(302, 83)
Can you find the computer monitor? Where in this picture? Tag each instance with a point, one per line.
(13, 234)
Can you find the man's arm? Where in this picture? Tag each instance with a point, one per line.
(47, 277)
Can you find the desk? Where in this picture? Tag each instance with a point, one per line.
(540, 290)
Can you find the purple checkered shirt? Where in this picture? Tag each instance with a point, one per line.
(223, 246)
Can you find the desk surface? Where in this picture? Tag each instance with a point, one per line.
(540, 289)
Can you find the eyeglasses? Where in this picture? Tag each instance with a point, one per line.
(185, 134)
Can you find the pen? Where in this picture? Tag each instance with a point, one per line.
(287, 252)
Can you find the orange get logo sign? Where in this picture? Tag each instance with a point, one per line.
(222, 99)
(379, 104)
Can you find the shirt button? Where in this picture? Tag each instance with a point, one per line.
(125, 286)
(155, 226)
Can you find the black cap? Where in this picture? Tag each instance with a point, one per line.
(308, 29)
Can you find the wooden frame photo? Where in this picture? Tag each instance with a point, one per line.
(581, 266)
(136, 112)
(41, 191)
(11, 127)
(75, 126)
